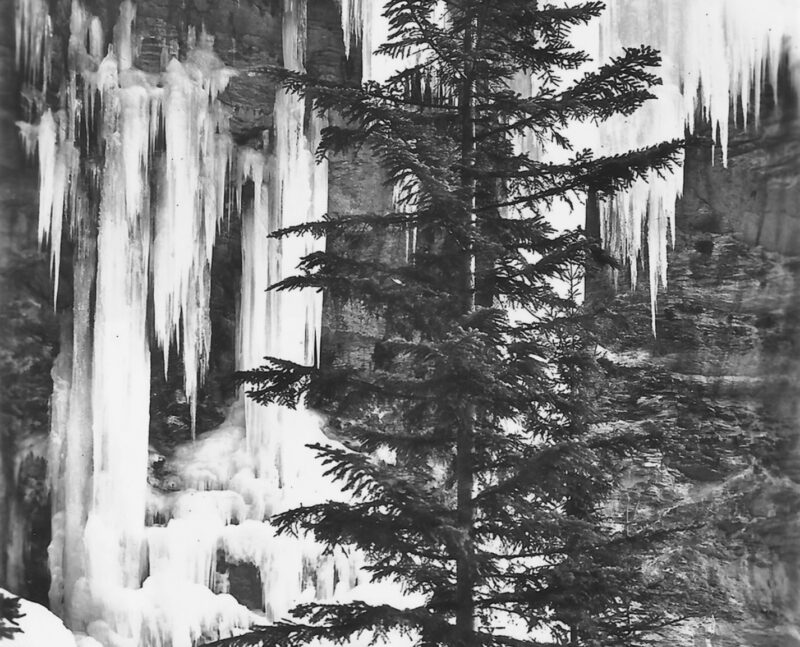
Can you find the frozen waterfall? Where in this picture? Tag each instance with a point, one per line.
(132, 565)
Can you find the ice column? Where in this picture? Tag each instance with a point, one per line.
(121, 379)
(33, 31)
(290, 189)
(74, 480)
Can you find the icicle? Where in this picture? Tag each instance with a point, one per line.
(404, 200)
(59, 412)
(78, 453)
(71, 438)
(284, 324)
(255, 300)
(198, 154)
(120, 397)
(357, 29)
(57, 165)
(33, 32)
(47, 143)
(96, 38)
(29, 135)
(294, 30)
(103, 82)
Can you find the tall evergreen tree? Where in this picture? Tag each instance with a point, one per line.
(495, 507)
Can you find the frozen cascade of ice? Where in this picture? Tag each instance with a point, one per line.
(717, 59)
(71, 457)
(195, 169)
(131, 565)
(256, 464)
(289, 188)
(80, 435)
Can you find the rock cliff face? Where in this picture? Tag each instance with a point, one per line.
(725, 368)
(27, 350)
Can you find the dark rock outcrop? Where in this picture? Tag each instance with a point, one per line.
(28, 346)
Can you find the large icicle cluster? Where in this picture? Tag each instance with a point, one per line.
(290, 188)
(718, 58)
(132, 565)
(257, 464)
(99, 553)
(194, 175)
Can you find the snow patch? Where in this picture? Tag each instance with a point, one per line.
(41, 627)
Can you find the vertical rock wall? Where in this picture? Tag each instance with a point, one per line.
(27, 349)
(724, 372)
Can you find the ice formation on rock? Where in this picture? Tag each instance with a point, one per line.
(357, 20)
(719, 56)
(33, 33)
(194, 169)
(131, 565)
(100, 551)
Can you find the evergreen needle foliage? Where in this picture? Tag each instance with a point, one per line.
(495, 508)
(9, 617)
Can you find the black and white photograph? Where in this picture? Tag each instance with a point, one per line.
(399, 323)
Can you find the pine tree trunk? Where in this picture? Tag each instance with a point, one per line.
(465, 613)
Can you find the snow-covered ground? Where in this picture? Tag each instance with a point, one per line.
(40, 627)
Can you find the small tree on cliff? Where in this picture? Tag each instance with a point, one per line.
(494, 506)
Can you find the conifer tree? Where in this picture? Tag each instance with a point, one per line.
(495, 507)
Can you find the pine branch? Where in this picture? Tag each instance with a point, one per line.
(10, 615)
(278, 381)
